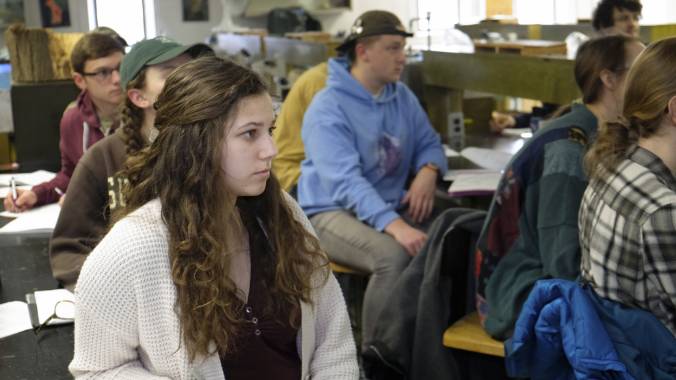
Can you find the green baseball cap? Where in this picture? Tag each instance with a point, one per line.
(152, 52)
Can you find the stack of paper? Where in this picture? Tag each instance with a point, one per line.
(40, 219)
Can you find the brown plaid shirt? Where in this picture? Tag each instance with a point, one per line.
(628, 235)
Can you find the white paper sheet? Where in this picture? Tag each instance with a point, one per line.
(474, 184)
(36, 220)
(487, 158)
(26, 179)
(452, 174)
(14, 318)
(524, 133)
(450, 152)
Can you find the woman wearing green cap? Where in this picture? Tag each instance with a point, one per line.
(95, 188)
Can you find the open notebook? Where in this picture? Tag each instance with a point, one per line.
(14, 316)
(481, 181)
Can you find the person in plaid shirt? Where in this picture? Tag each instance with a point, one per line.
(627, 218)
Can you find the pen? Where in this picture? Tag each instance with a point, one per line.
(12, 185)
(58, 191)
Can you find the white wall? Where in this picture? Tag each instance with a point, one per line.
(169, 21)
(342, 21)
(33, 19)
(168, 14)
(169, 18)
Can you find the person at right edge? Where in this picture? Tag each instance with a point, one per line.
(531, 229)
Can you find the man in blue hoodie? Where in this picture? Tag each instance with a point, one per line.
(365, 136)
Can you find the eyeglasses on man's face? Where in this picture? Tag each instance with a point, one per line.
(104, 74)
(64, 310)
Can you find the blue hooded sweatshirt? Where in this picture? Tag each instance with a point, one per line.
(361, 149)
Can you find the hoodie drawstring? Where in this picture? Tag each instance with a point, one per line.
(85, 136)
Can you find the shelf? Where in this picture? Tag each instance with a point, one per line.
(329, 11)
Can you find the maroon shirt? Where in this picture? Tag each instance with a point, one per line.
(266, 349)
(75, 120)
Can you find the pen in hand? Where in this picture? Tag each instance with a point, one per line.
(12, 185)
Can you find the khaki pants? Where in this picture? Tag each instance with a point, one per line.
(357, 245)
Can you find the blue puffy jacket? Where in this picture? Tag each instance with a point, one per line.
(565, 331)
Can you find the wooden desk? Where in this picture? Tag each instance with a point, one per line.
(448, 75)
(24, 267)
(467, 334)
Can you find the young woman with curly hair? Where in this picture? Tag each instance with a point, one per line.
(211, 270)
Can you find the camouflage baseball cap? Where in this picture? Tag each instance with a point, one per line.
(373, 23)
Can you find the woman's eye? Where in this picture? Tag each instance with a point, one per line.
(250, 134)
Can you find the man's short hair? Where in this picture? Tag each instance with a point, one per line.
(351, 53)
(93, 45)
(603, 14)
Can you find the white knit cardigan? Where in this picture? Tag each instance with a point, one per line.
(126, 326)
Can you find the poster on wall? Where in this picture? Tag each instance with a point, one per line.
(54, 13)
(195, 10)
(11, 11)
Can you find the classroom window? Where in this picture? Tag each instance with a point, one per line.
(553, 11)
(446, 14)
(569, 12)
(132, 19)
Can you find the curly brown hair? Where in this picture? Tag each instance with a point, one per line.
(182, 167)
(650, 84)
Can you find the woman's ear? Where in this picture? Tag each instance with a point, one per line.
(671, 110)
(609, 79)
(136, 96)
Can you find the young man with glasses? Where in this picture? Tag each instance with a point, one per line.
(96, 61)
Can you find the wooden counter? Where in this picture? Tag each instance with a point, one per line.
(447, 75)
(521, 47)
